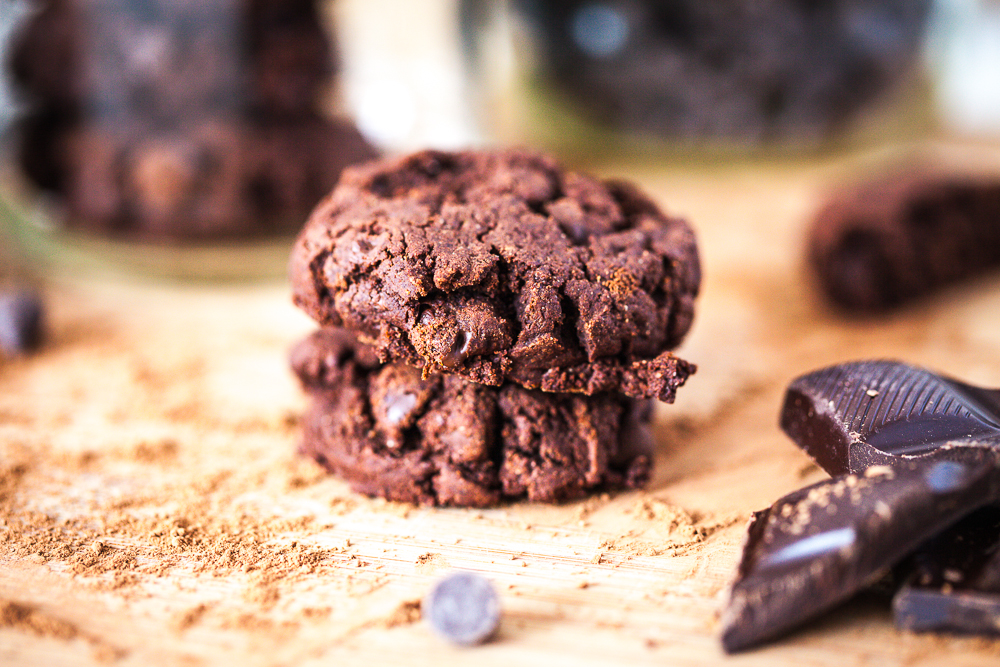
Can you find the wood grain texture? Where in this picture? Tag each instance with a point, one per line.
(151, 499)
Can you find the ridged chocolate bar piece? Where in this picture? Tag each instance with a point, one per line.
(820, 545)
(852, 416)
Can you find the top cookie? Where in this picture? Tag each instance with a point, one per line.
(499, 265)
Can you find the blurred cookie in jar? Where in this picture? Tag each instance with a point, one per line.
(148, 118)
(748, 70)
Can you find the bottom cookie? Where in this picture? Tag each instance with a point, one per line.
(442, 440)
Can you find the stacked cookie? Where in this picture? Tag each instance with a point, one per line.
(493, 327)
(169, 119)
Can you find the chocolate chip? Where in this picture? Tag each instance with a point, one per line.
(21, 322)
(463, 608)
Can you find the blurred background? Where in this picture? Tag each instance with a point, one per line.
(180, 123)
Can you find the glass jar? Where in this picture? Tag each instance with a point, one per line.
(597, 76)
(963, 53)
(187, 137)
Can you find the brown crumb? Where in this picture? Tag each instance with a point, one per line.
(431, 562)
(156, 452)
(29, 618)
(406, 613)
(10, 477)
(671, 530)
(188, 618)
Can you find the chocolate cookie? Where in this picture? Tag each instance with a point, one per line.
(499, 265)
(285, 190)
(893, 239)
(442, 440)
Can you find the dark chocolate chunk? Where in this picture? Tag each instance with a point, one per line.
(818, 546)
(21, 322)
(914, 453)
(953, 582)
(888, 241)
(852, 416)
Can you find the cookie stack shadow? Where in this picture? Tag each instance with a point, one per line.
(493, 328)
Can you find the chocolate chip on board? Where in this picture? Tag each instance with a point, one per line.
(462, 608)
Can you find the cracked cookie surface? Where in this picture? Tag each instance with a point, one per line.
(500, 266)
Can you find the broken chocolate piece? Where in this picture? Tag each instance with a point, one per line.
(818, 546)
(852, 416)
(954, 580)
(915, 453)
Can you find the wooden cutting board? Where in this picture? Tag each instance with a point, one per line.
(153, 512)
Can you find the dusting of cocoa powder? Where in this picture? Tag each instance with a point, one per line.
(148, 476)
(28, 618)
